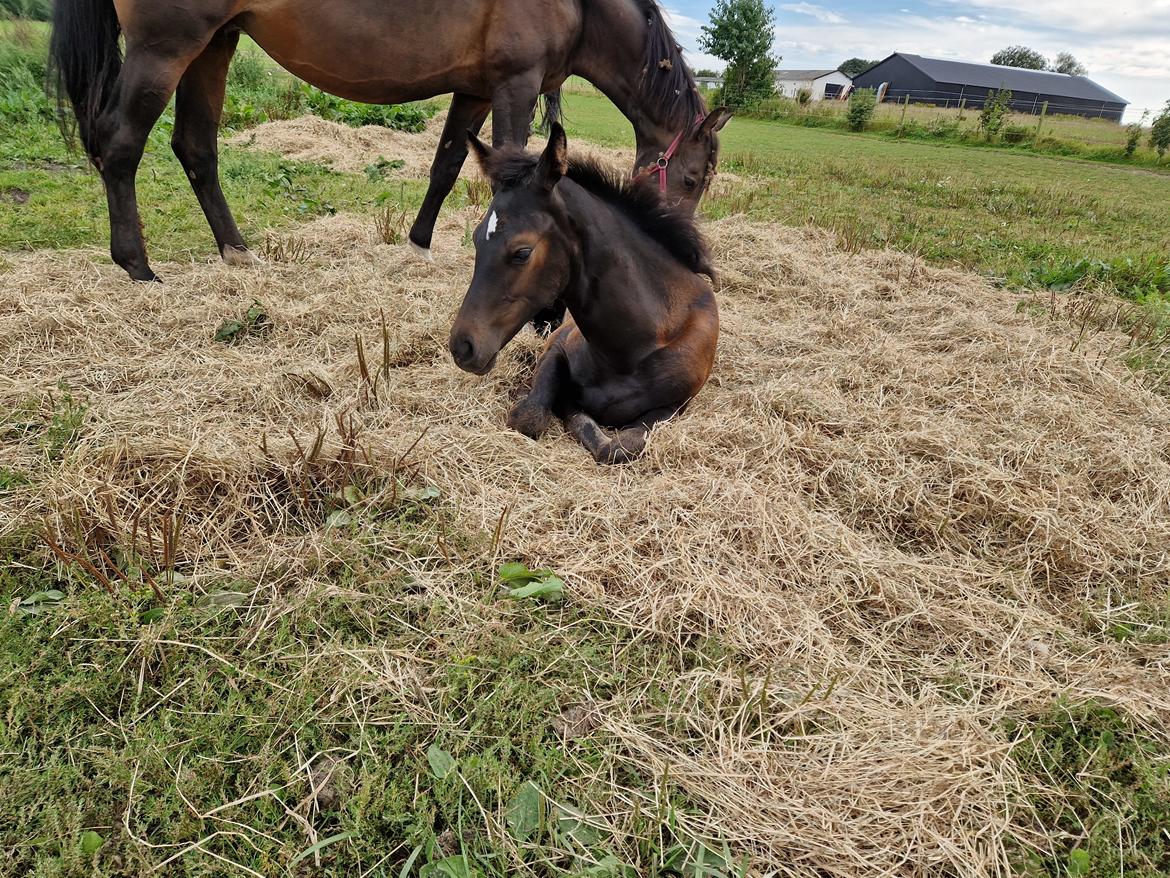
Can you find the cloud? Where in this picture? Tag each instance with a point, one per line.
(820, 13)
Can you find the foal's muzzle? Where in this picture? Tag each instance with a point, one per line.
(468, 357)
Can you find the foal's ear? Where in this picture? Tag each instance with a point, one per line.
(715, 121)
(482, 151)
(554, 161)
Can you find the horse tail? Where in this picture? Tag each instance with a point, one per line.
(551, 110)
(84, 61)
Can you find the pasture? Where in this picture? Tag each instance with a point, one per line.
(283, 596)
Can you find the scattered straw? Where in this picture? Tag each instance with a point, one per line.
(911, 509)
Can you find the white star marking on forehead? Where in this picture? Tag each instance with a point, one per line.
(493, 221)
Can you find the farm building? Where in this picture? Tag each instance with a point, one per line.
(820, 84)
(949, 83)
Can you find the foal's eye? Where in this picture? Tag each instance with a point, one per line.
(521, 256)
(690, 183)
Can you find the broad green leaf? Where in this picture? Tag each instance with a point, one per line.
(54, 595)
(352, 495)
(422, 495)
(323, 843)
(151, 615)
(571, 824)
(525, 811)
(514, 570)
(229, 331)
(549, 587)
(90, 842)
(1079, 863)
(442, 762)
(339, 518)
(451, 867)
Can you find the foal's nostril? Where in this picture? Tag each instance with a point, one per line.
(462, 349)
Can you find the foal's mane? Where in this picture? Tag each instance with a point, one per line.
(667, 81)
(675, 229)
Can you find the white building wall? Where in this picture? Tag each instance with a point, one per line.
(790, 88)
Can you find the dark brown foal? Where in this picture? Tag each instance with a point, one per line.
(640, 339)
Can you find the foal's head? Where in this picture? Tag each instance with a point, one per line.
(522, 251)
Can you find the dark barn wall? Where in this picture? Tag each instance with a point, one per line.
(906, 79)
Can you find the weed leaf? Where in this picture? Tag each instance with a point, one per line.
(90, 842)
(323, 843)
(525, 811)
(442, 762)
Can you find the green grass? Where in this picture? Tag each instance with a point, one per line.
(363, 713)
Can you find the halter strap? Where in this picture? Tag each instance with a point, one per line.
(659, 167)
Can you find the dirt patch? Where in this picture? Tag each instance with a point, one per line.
(910, 510)
(14, 195)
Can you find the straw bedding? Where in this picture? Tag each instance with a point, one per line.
(909, 508)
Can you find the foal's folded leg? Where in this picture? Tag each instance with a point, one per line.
(533, 415)
(629, 443)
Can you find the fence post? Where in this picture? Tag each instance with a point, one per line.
(962, 107)
(1043, 113)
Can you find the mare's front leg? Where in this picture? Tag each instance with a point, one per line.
(630, 441)
(533, 415)
(467, 113)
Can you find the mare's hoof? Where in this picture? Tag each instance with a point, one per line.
(423, 253)
(240, 257)
(530, 419)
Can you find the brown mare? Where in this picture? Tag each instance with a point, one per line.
(640, 337)
(493, 55)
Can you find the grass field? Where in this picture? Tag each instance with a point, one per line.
(892, 598)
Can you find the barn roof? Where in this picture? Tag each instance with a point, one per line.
(801, 74)
(1015, 78)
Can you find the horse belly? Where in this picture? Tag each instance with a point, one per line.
(376, 51)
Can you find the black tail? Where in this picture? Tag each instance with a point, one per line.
(551, 111)
(84, 61)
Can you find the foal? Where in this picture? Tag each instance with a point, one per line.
(640, 339)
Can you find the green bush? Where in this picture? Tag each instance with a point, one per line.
(1160, 132)
(22, 75)
(36, 10)
(1133, 135)
(862, 103)
(996, 107)
(1016, 134)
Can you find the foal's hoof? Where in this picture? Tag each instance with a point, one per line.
(240, 257)
(531, 420)
(626, 447)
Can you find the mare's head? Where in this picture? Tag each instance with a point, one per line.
(683, 167)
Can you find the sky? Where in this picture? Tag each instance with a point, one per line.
(1124, 43)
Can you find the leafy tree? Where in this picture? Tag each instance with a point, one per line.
(741, 33)
(1160, 132)
(706, 72)
(1020, 56)
(862, 102)
(1066, 63)
(994, 113)
(855, 66)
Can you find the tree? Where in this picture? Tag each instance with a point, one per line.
(855, 66)
(1066, 63)
(1160, 132)
(1020, 56)
(706, 72)
(741, 33)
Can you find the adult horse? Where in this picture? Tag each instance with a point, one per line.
(495, 56)
(640, 338)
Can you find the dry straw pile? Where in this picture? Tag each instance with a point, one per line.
(910, 508)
